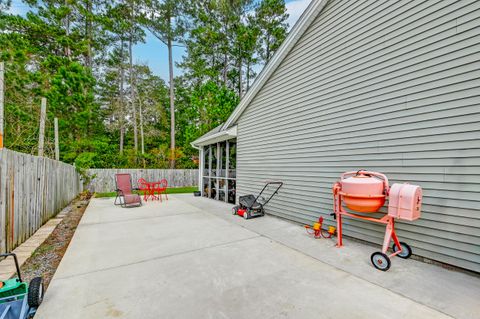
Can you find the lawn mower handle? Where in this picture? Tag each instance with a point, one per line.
(280, 184)
(16, 263)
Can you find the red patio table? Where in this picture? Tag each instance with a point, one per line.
(150, 188)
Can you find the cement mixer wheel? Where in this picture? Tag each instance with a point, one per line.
(380, 261)
(406, 250)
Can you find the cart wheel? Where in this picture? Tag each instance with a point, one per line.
(380, 261)
(406, 250)
(246, 215)
(35, 292)
(234, 210)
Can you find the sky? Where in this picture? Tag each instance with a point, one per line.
(154, 53)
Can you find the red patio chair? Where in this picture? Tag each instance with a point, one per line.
(161, 188)
(125, 196)
(144, 187)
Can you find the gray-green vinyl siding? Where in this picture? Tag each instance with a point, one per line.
(390, 86)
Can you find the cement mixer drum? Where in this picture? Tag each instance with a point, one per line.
(364, 191)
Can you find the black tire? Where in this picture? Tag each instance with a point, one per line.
(35, 292)
(380, 261)
(246, 215)
(406, 250)
(234, 210)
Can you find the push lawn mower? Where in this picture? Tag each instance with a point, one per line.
(17, 299)
(253, 206)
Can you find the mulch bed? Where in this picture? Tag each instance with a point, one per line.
(47, 257)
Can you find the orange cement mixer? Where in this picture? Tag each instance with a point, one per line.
(366, 192)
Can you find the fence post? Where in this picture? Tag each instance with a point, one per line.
(57, 148)
(3, 199)
(2, 101)
(41, 136)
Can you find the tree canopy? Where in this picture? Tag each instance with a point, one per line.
(112, 110)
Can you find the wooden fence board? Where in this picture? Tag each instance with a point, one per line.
(32, 190)
(3, 198)
(104, 179)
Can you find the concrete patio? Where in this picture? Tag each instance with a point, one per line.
(190, 258)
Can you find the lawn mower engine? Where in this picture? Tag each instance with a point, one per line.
(253, 206)
(250, 206)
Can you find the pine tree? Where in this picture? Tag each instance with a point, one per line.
(271, 17)
(79, 54)
(165, 21)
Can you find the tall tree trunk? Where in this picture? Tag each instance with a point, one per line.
(122, 134)
(225, 48)
(88, 32)
(240, 78)
(122, 109)
(142, 136)
(132, 96)
(172, 103)
(67, 30)
(225, 69)
(268, 48)
(248, 75)
(215, 77)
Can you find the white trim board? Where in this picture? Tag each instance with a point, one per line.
(223, 135)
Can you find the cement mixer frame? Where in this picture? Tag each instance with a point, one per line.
(380, 260)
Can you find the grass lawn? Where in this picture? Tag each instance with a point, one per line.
(173, 190)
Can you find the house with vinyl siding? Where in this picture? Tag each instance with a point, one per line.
(388, 86)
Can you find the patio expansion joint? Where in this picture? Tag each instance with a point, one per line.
(326, 263)
(135, 219)
(344, 271)
(157, 258)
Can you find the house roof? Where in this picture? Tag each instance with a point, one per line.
(215, 130)
(227, 130)
(216, 135)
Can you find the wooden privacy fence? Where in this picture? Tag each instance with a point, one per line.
(104, 179)
(32, 190)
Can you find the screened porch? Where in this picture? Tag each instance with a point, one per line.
(218, 170)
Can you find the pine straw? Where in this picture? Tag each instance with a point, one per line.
(46, 258)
